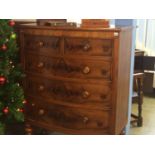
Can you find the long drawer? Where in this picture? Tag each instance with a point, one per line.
(72, 92)
(67, 117)
(69, 67)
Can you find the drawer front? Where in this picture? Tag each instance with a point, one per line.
(86, 46)
(67, 117)
(46, 45)
(75, 93)
(69, 68)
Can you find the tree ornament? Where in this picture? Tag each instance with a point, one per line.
(11, 23)
(24, 102)
(11, 62)
(12, 100)
(13, 36)
(6, 110)
(4, 47)
(2, 80)
(20, 110)
(7, 40)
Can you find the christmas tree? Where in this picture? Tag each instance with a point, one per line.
(11, 93)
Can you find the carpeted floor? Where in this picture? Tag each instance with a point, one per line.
(148, 118)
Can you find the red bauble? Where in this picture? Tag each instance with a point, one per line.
(20, 110)
(24, 102)
(6, 110)
(2, 80)
(11, 23)
(4, 47)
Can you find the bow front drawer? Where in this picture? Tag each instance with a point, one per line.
(69, 67)
(72, 92)
(67, 117)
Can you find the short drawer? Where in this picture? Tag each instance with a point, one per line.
(44, 45)
(87, 46)
(69, 67)
(67, 117)
(72, 92)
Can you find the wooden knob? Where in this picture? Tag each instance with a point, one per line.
(41, 88)
(85, 120)
(86, 47)
(99, 124)
(85, 94)
(104, 72)
(28, 131)
(103, 96)
(86, 70)
(40, 65)
(41, 112)
(40, 44)
(33, 104)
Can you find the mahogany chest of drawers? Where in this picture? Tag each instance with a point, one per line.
(77, 79)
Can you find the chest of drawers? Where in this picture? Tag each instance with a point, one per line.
(77, 79)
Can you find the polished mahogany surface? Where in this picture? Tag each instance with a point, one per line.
(77, 79)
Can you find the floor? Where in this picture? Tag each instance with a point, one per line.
(148, 118)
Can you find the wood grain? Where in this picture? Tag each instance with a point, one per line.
(77, 78)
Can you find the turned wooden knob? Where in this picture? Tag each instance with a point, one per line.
(103, 96)
(28, 129)
(104, 72)
(40, 44)
(85, 119)
(86, 70)
(86, 47)
(85, 94)
(41, 88)
(33, 104)
(99, 124)
(40, 65)
(41, 112)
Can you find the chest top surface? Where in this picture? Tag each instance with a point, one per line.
(77, 28)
